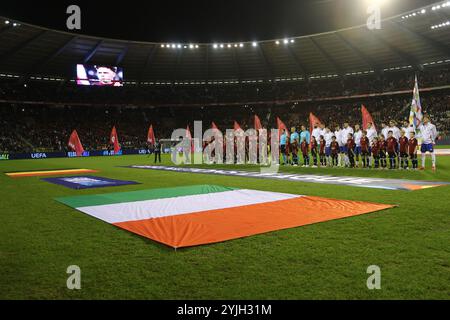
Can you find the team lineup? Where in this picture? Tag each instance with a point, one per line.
(353, 147)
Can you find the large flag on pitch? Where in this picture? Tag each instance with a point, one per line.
(75, 143)
(416, 115)
(195, 215)
(114, 139)
(151, 136)
(367, 118)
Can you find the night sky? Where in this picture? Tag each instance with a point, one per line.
(203, 20)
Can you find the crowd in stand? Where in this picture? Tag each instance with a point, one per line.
(43, 126)
(223, 93)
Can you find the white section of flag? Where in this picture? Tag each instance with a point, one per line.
(149, 209)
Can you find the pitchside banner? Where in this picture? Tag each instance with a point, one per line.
(45, 155)
(374, 183)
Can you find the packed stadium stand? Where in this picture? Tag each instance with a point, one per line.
(171, 85)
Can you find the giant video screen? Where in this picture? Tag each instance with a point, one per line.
(96, 75)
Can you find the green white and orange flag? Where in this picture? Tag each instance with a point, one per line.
(415, 114)
(202, 214)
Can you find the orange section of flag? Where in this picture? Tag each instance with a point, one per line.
(415, 187)
(213, 226)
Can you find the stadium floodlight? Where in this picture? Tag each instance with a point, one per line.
(229, 45)
(174, 46)
(7, 22)
(162, 46)
(179, 46)
(241, 45)
(423, 11)
(191, 46)
(277, 42)
(215, 46)
(292, 40)
(254, 44)
(286, 41)
(221, 45)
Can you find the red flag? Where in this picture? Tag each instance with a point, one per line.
(114, 139)
(367, 118)
(313, 122)
(236, 126)
(75, 143)
(189, 136)
(282, 126)
(258, 125)
(213, 126)
(151, 136)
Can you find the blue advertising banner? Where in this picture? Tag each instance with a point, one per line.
(87, 182)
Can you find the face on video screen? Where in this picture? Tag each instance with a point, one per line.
(106, 76)
(99, 75)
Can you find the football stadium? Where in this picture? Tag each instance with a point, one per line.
(313, 165)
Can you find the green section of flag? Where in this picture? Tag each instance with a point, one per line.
(141, 195)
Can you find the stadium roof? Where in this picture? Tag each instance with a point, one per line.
(410, 40)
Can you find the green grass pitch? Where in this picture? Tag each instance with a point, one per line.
(40, 238)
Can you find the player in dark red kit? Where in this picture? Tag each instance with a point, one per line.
(322, 153)
(392, 147)
(314, 150)
(376, 152)
(403, 142)
(382, 145)
(412, 150)
(334, 147)
(305, 152)
(364, 143)
(351, 150)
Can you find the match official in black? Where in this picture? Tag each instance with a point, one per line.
(157, 151)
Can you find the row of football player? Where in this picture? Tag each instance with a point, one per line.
(346, 146)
